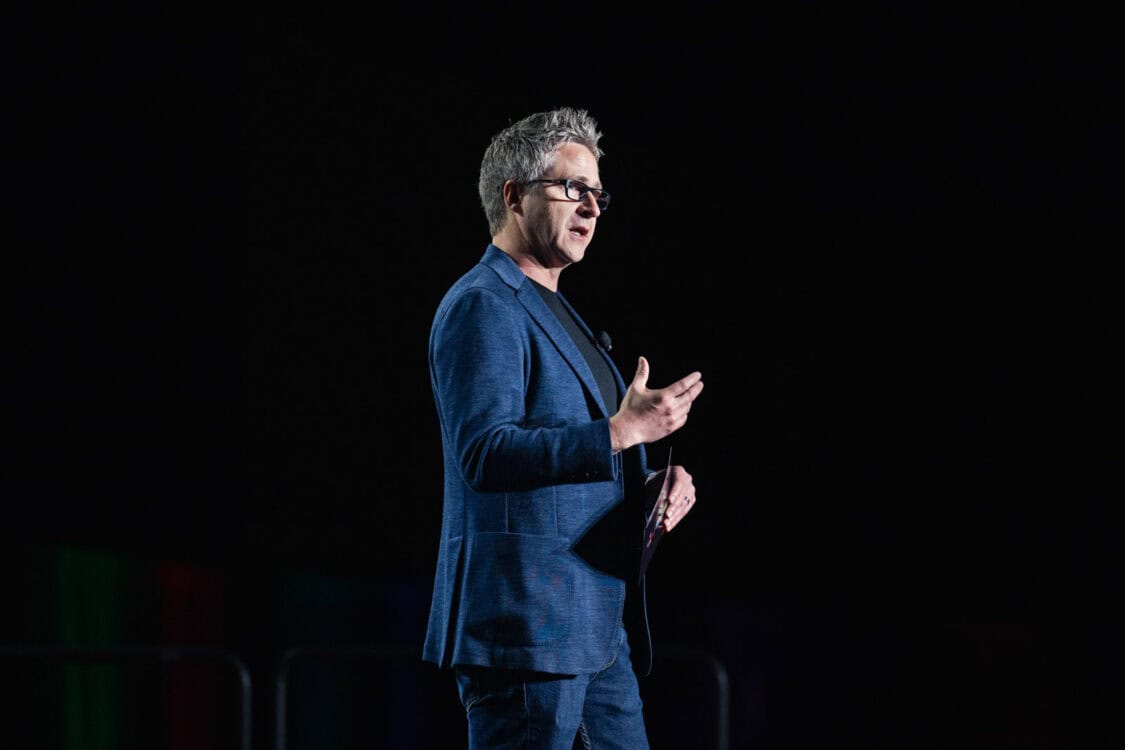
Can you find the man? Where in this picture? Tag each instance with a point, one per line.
(538, 600)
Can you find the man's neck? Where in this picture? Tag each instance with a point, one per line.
(531, 266)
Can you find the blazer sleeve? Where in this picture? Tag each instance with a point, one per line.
(510, 407)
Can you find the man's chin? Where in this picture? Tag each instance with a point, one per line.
(576, 251)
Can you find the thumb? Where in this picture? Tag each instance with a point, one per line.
(640, 379)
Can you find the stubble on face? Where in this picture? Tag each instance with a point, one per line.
(568, 227)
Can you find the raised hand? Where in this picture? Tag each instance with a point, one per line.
(647, 414)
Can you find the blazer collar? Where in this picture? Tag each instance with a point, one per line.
(528, 296)
(506, 268)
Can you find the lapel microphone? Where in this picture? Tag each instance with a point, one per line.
(604, 341)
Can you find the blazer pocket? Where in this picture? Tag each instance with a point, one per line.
(520, 588)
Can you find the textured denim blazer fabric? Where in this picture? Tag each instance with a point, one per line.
(529, 474)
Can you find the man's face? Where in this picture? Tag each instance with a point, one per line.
(560, 228)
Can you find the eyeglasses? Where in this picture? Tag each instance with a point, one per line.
(576, 191)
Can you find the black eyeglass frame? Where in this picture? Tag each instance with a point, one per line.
(601, 197)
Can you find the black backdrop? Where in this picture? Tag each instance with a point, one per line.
(885, 238)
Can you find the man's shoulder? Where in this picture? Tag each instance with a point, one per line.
(494, 272)
(478, 288)
(479, 278)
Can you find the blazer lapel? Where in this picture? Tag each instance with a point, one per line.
(538, 310)
(498, 260)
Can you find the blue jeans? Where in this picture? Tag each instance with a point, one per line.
(509, 709)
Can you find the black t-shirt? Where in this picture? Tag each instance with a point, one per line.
(585, 344)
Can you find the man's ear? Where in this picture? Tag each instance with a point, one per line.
(513, 191)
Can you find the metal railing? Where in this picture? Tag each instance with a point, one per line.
(713, 695)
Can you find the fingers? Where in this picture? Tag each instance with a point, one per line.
(682, 497)
(640, 379)
(677, 509)
(681, 395)
(688, 387)
(659, 412)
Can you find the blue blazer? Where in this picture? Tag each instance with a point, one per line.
(542, 525)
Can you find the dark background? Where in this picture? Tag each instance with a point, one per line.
(885, 238)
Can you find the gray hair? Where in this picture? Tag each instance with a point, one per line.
(525, 150)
